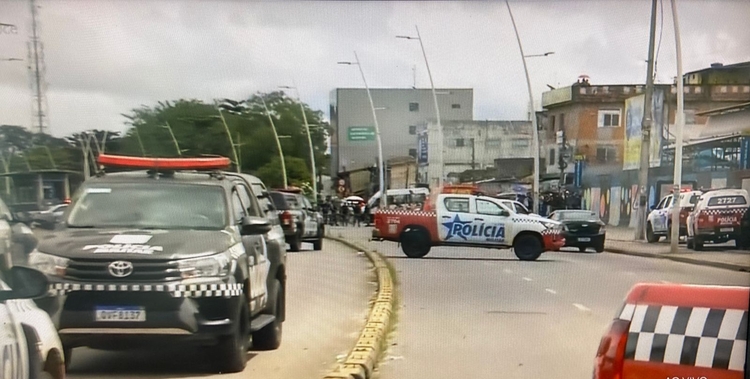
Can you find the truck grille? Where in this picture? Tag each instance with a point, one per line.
(143, 270)
(583, 227)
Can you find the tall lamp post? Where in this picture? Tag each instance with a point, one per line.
(437, 108)
(680, 123)
(174, 139)
(309, 142)
(381, 163)
(278, 142)
(535, 135)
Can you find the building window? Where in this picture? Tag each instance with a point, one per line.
(456, 106)
(562, 121)
(606, 154)
(413, 107)
(609, 119)
(412, 129)
(413, 153)
(520, 143)
(551, 157)
(552, 121)
(493, 142)
(459, 142)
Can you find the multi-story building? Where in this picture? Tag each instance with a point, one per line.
(399, 112)
(595, 120)
(473, 145)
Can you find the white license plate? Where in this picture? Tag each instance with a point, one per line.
(726, 230)
(121, 314)
(584, 239)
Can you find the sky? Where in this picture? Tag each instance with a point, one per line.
(106, 57)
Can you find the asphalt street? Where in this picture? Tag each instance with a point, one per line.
(482, 313)
(327, 303)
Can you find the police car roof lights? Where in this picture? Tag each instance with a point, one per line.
(149, 163)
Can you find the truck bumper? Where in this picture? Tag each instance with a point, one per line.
(553, 240)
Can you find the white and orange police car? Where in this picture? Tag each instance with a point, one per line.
(676, 331)
(716, 217)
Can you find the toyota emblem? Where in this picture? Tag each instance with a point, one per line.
(120, 269)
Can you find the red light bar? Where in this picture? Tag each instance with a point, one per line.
(208, 163)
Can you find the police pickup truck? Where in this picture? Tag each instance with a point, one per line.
(176, 251)
(471, 221)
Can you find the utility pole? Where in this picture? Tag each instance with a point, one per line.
(641, 213)
(473, 160)
(680, 124)
(36, 66)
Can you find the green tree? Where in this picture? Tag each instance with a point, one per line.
(297, 173)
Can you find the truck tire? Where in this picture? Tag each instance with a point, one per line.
(689, 241)
(599, 247)
(697, 243)
(269, 338)
(650, 236)
(415, 242)
(527, 247)
(231, 353)
(318, 243)
(295, 243)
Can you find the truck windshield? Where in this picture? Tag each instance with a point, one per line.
(154, 206)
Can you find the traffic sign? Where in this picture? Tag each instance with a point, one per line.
(361, 133)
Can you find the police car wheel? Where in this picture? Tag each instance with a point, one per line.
(269, 338)
(650, 236)
(527, 247)
(599, 248)
(582, 249)
(415, 243)
(232, 349)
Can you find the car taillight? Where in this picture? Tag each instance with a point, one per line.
(611, 352)
(702, 218)
(286, 218)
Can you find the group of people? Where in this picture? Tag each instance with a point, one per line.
(338, 212)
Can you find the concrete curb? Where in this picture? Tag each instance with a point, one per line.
(699, 262)
(363, 358)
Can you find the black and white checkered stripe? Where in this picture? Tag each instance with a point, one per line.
(730, 211)
(407, 213)
(692, 336)
(175, 290)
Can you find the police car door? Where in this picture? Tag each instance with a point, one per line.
(455, 217)
(311, 222)
(489, 223)
(255, 248)
(661, 214)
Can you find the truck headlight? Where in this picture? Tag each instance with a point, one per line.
(210, 266)
(48, 263)
(551, 225)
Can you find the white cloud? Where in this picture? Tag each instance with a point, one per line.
(106, 57)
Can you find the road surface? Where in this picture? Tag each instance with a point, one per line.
(481, 313)
(327, 303)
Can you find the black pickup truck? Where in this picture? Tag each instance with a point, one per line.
(151, 257)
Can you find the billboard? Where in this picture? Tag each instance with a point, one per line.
(422, 148)
(634, 107)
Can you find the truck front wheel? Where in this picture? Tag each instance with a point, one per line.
(527, 247)
(415, 243)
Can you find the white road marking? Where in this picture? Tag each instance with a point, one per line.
(550, 290)
(526, 279)
(581, 307)
(507, 271)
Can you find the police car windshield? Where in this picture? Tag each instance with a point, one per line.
(142, 205)
(727, 200)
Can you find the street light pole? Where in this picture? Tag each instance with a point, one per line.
(278, 143)
(441, 165)
(309, 142)
(231, 142)
(381, 173)
(535, 131)
(646, 123)
(680, 124)
(171, 133)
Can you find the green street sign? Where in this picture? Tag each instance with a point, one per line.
(361, 133)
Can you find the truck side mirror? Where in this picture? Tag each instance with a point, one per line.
(254, 226)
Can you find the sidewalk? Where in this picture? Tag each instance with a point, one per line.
(620, 241)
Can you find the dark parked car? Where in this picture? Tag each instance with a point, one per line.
(300, 221)
(581, 229)
(50, 217)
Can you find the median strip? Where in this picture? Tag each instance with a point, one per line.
(363, 358)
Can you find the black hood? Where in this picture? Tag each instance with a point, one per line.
(136, 244)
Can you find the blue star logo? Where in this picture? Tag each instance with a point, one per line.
(455, 228)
